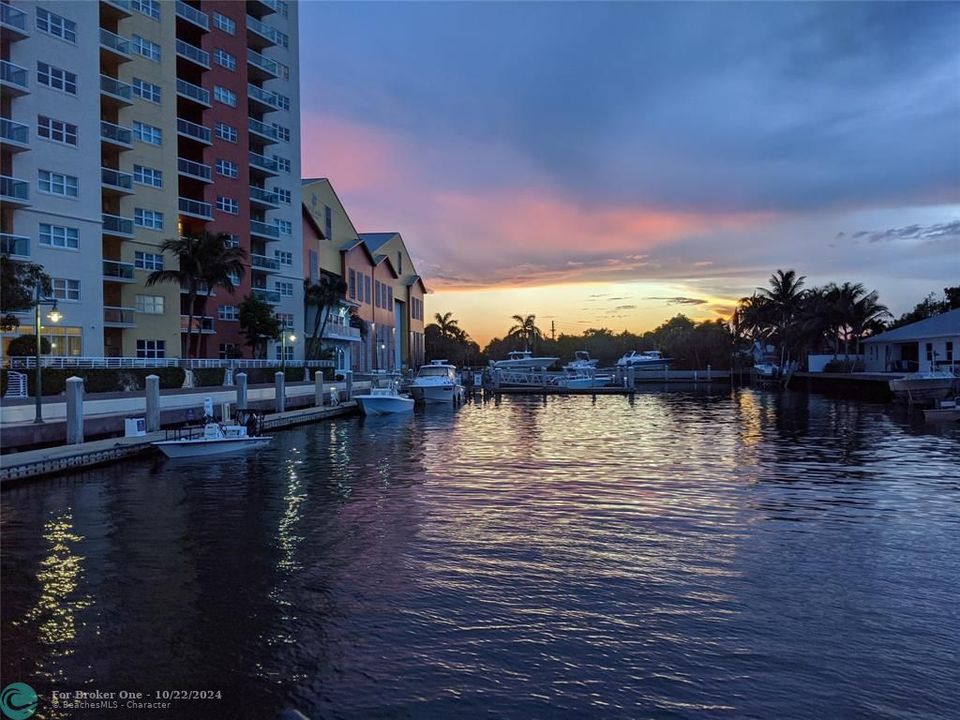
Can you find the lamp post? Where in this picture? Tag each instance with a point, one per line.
(53, 316)
(283, 347)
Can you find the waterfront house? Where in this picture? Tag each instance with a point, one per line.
(930, 344)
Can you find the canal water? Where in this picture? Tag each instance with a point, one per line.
(686, 555)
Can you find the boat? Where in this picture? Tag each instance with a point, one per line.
(944, 411)
(923, 387)
(437, 383)
(383, 398)
(644, 359)
(581, 361)
(522, 360)
(766, 371)
(583, 379)
(214, 439)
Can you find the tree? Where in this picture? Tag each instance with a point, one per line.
(26, 346)
(784, 297)
(221, 263)
(526, 329)
(258, 324)
(18, 288)
(929, 307)
(323, 295)
(447, 326)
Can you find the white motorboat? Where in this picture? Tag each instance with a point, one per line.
(928, 386)
(583, 379)
(215, 439)
(437, 383)
(523, 360)
(581, 361)
(766, 371)
(383, 398)
(645, 359)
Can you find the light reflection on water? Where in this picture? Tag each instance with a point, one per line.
(681, 555)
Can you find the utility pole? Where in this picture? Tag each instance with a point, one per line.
(553, 330)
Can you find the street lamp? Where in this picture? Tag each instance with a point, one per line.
(283, 346)
(53, 316)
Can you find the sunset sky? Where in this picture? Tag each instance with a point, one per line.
(611, 165)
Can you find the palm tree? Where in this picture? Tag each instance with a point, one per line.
(785, 296)
(222, 263)
(526, 328)
(323, 295)
(868, 316)
(448, 326)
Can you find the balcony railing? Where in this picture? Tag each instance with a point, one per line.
(116, 179)
(116, 88)
(264, 230)
(119, 316)
(14, 245)
(194, 169)
(12, 131)
(13, 189)
(192, 130)
(271, 6)
(13, 18)
(270, 296)
(115, 133)
(267, 32)
(117, 225)
(193, 53)
(263, 129)
(13, 74)
(118, 271)
(258, 194)
(205, 325)
(193, 15)
(336, 331)
(262, 262)
(193, 92)
(264, 163)
(196, 208)
(264, 96)
(271, 67)
(114, 42)
(123, 5)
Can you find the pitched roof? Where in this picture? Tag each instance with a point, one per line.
(942, 325)
(377, 239)
(414, 279)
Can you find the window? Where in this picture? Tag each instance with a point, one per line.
(283, 195)
(283, 101)
(147, 133)
(328, 221)
(282, 163)
(150, 8)
(65, 289)
(222, 22)
(146, 91)
(352, 283)
(225, 95)
(58, 236)
(285, 226)
(147, 176)
(389, 297)
(56, 25)
(56, 78)
(148, 260)
(283, 257)
(151, 348)
(142, 46)
(227, 168)
(376, 293)
(283, 133)
(283, 8)
(287, 351)
(929, 352)
(228, 205)
(226, 132)
(150, 304)
(225, 59)
(399, 262)
(232, 240)
(228, 351)
(949, 351)
(56, 130)
(366, 289)
(284, 288)
(228, 312)
(150, 219)
(58, 184)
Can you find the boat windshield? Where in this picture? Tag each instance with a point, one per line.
(433, 371)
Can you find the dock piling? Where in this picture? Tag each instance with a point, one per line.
(348, 376)
(241, 380)
(74, 410)
(318, 389)
(280, 388)
(152, 418)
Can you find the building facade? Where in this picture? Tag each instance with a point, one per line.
(923, 346)
(129, 122)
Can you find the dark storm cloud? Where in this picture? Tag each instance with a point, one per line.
(915, 233)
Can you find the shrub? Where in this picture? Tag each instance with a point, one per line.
(103, 380)
(26, 346)
(843, 366)
(208, 377)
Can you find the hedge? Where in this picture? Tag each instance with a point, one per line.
(101, 380)
(843, 366)
(208, 377)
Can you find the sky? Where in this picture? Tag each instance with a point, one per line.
(615, 164)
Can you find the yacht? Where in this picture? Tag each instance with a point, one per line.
(523, 360)
(645, 359)
(581, 361)
(437, 383)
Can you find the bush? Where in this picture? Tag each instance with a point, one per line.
(208, 377)
(843, 366)
(260, 376)
(26, 346)
(102, 380)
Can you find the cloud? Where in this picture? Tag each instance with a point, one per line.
(680, 300)
(910, 233)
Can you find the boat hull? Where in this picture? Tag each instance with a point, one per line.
(923, 389)
(209, 448)
(436, 394)
(384, 404)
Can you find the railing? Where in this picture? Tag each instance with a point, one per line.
(264, 163)
(261, 228)
(116, 270)
(272, 5)
(115, 178)
(264, 196)
(13, 74)
(117, 224)
(262, 262)
(16, 382)
(195, 169)
(116, 133)
(264, 96)
(114, 42)
(191, 129)
(12, 17)
(264, 63)
(118, 315)
(112, 86)
(267, 32)
(193, 15)
(12, 131)
(13, 188)
(204, 324)
(64, 363)
(192, 52)
(193, 92)
(263, 129)
(270, 296)
(14, 245)
(121, 4)
(196, 208)
(335, 331)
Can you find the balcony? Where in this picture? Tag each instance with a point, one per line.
(14, 22)
(117, 226)
(113, 44)
(116, 135)
(13, 78)
(261, 100)
(267, 166)
(261, 35)
(15, 245)
(192, 15)
(115, 180)
(14, 191)
(270, 296)
(115, 8)
(122, 317)
(263, 7)
(193, 54)
(191, 130)
(195, 170)
(264, 131)
(337, 331)
(206, 325)
(193, 92)
(116, 271)
(119, 92)
(260, 67)
(263, 198)
(195, 208)
(262, 230)
(264, 263)
(14, 136)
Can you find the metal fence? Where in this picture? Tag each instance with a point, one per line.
(119, 363)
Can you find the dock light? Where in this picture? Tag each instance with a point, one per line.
(53, 316)
(283, 346)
